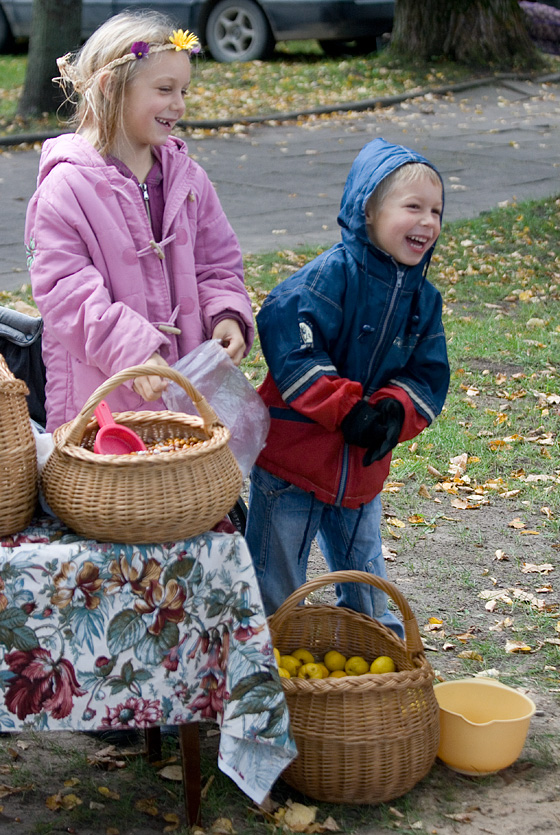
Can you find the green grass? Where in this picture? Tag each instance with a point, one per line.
(298, 77)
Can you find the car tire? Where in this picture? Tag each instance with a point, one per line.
(6, 39)
(237, 30)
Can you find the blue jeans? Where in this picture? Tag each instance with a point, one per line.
(282, 522)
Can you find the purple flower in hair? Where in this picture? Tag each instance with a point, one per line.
(140, 48)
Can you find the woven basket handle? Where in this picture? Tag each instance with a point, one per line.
(413, 639)
(77, 427)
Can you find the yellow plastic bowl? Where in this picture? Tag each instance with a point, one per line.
(483, 724)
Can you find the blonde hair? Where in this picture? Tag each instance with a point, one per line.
(109, 59)
(410, 172)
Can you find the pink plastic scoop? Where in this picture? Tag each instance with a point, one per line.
(113, 438)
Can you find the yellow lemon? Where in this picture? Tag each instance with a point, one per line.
(276, 655)
(310, 670)
(383, 664)
(338, 674)
(283, 673)
(356, 666)
(303, 655)
(290, 664)
(334, 660)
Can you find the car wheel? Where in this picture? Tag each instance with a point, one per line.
(237, 30)
(6, 40)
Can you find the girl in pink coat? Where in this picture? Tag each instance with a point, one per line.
(131, 257)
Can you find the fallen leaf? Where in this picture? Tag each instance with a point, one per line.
(495, 445)
(107, 792)
(417, 519)
(148, 806)
(458, 464)
(532, 568)
(500, 625)
(466, 636)
(397, 523)
(172, 772)
(501, 556)
(424, 492)
(517, 646)
(471, 654)
(516, 523)
(62, 801)
(330, 825)
(173, 820)
(393, 486)
(434, 472)
(222, 826)
(298, 817)
(112, 830)
(461, 817)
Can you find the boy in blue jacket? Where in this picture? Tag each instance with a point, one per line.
(357, 362)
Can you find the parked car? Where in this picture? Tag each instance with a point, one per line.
(236, 30)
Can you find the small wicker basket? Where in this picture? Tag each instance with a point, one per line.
(143, 498)
(18, 455)
(361, 739)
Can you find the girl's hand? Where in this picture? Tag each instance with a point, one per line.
(151, 388)
(230, 335)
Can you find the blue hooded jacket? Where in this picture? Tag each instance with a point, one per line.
(351, 324)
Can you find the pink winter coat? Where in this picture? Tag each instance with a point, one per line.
(104, 290)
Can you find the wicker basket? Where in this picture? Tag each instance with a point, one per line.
(361, 739)
(18, 455)
(143, 499)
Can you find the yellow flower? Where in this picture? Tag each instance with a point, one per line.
(184, 40)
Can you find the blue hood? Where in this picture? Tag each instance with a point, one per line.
(375, 161)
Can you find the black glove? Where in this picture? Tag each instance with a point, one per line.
(375, 427)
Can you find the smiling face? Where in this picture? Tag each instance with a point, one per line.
(408, 221)
(153, 103)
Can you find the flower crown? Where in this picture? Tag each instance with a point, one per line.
(178, 41)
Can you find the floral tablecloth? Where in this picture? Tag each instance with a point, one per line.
(101, 635)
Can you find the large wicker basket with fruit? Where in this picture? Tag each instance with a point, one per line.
(361, 738)
(143, 498)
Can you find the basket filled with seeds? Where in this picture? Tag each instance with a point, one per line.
(182, 484)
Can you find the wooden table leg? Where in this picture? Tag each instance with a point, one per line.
(153, 744)
(190, 760)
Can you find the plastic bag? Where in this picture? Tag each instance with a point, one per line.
(233, 398)
(44, 445)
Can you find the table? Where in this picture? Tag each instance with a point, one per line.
(98, 636)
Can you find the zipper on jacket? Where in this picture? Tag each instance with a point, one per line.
(155, 246)
(381, 342)
(343, 480)
(146, 196)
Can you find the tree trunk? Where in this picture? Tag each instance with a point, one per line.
(474, 32)
(55, 29)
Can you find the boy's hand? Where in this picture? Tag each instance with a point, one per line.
(151, 388)
(376, 427)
